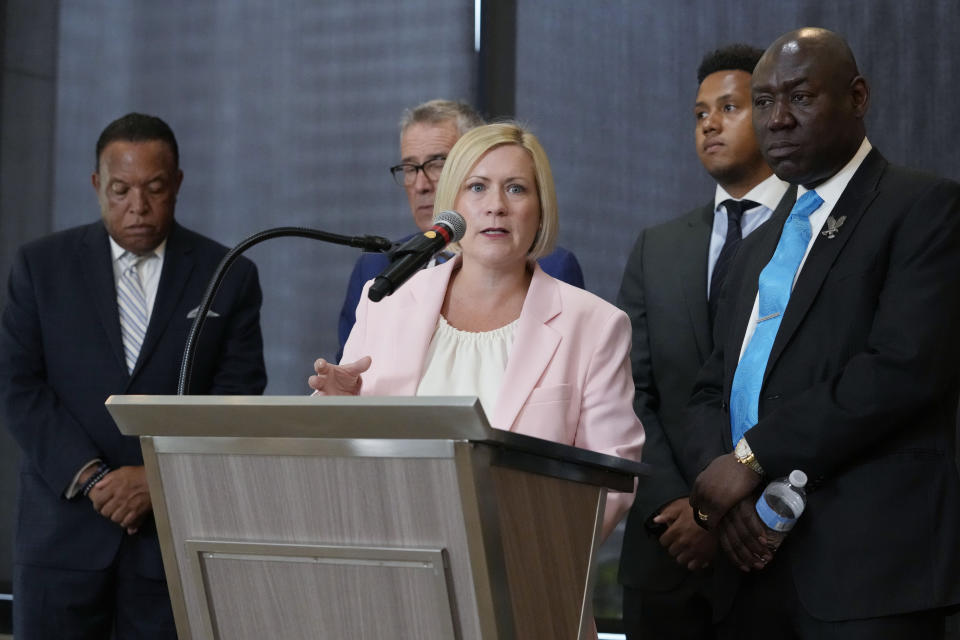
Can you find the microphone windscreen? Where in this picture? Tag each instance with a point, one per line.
(453, 221)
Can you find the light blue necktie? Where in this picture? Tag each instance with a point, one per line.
(776, 283)
(132, 303)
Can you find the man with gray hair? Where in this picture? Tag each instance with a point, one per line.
(427, 133)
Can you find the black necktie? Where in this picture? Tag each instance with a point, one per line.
(735, 209)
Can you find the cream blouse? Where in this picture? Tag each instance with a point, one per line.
(465, 363)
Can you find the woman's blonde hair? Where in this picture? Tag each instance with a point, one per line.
(467, 152)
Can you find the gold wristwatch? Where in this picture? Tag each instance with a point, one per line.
(744, 455)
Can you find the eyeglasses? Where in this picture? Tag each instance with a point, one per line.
(406, 174)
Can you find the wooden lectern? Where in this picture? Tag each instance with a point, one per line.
(362, 518)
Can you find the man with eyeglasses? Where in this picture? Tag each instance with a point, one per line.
(427, 133)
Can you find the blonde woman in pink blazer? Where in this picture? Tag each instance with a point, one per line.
(546, 359)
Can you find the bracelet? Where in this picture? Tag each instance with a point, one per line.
(102, 470)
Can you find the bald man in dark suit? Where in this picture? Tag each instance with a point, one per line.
(836, 354)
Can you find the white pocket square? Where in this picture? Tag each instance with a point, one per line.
(210, 314)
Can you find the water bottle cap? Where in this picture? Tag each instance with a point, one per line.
(798, 478)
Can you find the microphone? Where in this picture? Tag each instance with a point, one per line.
(412, 255)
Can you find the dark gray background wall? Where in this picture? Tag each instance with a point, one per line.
(28, 86)
(610, 87)
(286, 115)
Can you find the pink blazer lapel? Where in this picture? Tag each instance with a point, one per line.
(417, 311)
(534, 344)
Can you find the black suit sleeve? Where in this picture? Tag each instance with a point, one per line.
(709, 418)
(50, 437)
(666, 483)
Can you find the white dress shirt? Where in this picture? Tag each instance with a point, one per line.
(149, 271)
(830, 192)
(767, 194)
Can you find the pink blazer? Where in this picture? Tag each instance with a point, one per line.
(568, 374)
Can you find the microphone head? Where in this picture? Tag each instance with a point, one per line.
(452, 221)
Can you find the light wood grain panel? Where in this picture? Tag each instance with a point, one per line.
(319, 500)
(162, 521)
(316, 594)
(548, 529)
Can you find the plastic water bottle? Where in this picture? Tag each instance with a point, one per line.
(781, 504)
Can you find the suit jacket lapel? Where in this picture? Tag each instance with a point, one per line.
(767, 238)
(696, 244)
(534, 344)
(177, 266)
(96, 265)
(859, 193)
(418, 310)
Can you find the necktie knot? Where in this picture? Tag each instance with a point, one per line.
(806, 204)
(736, 208)
(131, 260)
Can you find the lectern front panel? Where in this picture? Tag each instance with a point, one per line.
(309, 500)
(318, 590)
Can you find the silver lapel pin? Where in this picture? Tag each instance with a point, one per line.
(833, 225)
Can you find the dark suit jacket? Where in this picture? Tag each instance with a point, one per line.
(664, 292)
(61, 355)
(860, 392)
(561, 264)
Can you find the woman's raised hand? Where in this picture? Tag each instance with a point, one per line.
(338, 380)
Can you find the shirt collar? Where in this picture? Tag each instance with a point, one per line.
(767, 193)
(116, 251)
(832, 188)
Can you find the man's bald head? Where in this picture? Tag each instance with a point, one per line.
(809, 101)
(818, 42)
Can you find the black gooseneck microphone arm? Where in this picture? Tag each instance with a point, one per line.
(374, 244)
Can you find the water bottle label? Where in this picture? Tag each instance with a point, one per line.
(771, 518)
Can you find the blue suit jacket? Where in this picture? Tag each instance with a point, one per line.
(561, 264)
(61, 356)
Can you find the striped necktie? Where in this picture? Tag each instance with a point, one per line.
(775, 286)
(132, 302)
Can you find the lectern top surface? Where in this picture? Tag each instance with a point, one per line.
(352, 417)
